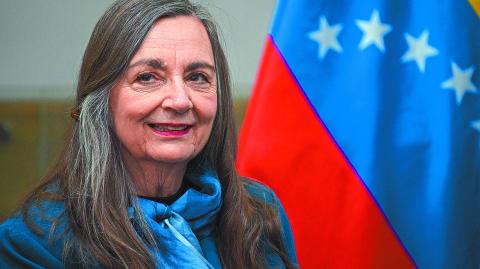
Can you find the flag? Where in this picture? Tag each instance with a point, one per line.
(365, 120)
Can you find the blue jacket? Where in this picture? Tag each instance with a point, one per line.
(20, 247)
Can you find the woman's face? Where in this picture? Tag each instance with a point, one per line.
(164, 106)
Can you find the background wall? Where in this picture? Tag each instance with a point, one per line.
(41, 47)
(42, 42)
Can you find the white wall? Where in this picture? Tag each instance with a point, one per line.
(42, 42)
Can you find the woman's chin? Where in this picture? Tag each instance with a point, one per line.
(172, 156)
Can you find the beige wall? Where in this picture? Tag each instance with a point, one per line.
(42, 41)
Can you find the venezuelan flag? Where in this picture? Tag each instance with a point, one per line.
(365, 120)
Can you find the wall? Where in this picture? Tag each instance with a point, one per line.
(42, 42)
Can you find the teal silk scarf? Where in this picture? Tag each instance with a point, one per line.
(179, 227)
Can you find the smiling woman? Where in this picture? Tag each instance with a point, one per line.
(164, 105)
(147, 179)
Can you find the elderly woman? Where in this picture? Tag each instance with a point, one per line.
(147, 179)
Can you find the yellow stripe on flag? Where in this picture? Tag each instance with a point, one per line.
(476, 6)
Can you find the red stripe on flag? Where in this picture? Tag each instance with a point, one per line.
(335, 221)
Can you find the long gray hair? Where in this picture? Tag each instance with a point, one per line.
(93, 180)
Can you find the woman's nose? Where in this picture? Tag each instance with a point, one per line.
(178, 98)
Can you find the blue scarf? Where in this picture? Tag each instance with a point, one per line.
(179, 227)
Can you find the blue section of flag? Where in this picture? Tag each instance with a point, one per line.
(402, 108)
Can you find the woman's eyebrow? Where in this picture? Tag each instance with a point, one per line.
(199, 65)
(152, 62)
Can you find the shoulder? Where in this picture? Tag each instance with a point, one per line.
(23, 245)
(260, 191)
(263, 193)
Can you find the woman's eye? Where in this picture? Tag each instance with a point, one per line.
(198, 78)
(147, 81)
(145, 77)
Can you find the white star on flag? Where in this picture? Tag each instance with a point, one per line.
(373, 31)
(418, 50)
(476, 125)
(460, 82)
(326, 36)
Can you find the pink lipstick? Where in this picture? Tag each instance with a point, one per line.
(170, 129)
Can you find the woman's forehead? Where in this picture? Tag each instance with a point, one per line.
(174, 37)
(188, 26)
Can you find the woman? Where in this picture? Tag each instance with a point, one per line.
(147, 179)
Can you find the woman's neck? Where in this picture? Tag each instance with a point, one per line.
(153, 179)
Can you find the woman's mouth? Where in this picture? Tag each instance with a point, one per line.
(170, 129)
